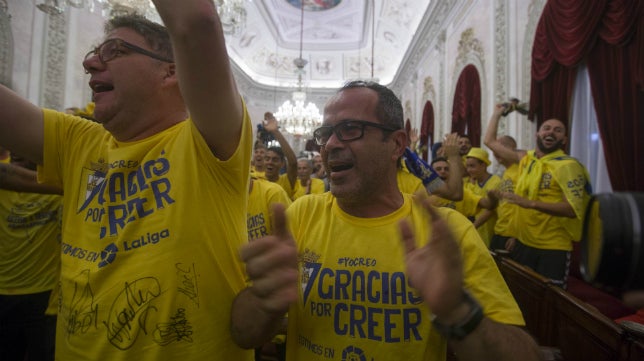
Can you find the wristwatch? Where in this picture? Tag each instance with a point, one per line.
(464, 327)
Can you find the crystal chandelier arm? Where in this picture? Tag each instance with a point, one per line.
(271, 126)
(205, 76)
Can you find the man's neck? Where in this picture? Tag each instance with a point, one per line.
(377, 206)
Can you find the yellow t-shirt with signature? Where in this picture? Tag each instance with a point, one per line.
(151, 232)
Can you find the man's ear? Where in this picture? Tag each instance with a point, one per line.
(400, 141)
(171, 72)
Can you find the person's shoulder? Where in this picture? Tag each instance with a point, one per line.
(311, 202)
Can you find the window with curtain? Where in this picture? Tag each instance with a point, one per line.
(427, 129)
(466, 111)
(608, 36)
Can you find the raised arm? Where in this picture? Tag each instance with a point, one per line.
(491, 141)
(19, 179)
(270, 125)
(21, 126)
(204, 72)
(452, 189)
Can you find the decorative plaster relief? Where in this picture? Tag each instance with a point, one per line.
(501, 55)
(53, 83)
(534, 13)
(6, 45)
(400, 12)
(469, 48)
(429, 93)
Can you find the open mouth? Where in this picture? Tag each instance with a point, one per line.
(336, 167)
(100, 87)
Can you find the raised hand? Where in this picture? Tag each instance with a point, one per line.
(435, 269)
(270, 123)
(413, 136)
(450, 145)
(271, 264)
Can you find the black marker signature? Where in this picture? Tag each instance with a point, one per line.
(188, 282)
(82, 310)
(178, 329)
(129, 312)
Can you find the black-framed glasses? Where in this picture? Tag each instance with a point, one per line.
(347, 130)
(113, 48)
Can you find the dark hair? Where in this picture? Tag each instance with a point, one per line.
(155, 35)
(277, 150)
(439, 159)
(389, 109)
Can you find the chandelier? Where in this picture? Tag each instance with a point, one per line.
(297, 118)
(232, 13)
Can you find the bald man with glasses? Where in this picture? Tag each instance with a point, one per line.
(155, 192)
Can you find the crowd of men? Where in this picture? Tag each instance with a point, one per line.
(172, 247)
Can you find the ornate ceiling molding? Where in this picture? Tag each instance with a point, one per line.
(433, 23)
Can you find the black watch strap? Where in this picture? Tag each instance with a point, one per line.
(463, 328)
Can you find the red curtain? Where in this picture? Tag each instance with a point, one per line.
(466, 112)
(427, 129)
(609, 36)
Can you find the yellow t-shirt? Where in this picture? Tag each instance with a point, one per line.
(409, 183)
(317, 187)
(355, 302)
(468, 206)
(486, 230)
(30, 242)
(506, 212)
(254, 173)
(286, 184)
(151, 234)
(541, 230)
(262, 196)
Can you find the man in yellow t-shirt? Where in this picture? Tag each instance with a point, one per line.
(278, 158)
(552, 192)
(262, 195)
(155, 192)
(471, 202)
(480, 182)
(29, 267)
(305, 184)
(257, 166)
(362, 291)
(504, 149)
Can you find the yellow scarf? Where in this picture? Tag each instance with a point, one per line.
(573, 180)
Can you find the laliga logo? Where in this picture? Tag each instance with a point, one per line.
(108, 255)
(352, 353)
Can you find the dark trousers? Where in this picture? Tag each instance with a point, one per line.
(26, 333)
(553, 264)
